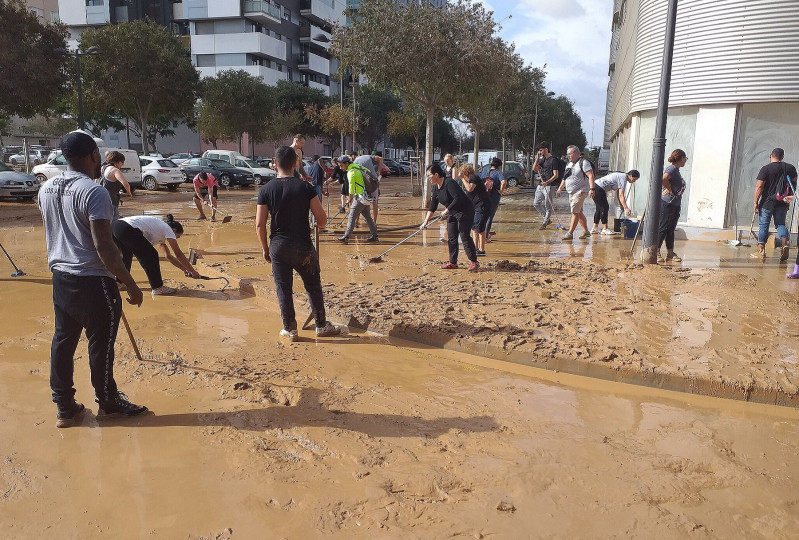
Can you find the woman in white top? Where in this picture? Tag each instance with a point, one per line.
(616, 181)
(137, 235)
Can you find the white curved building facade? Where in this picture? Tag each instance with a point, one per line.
(734, 97)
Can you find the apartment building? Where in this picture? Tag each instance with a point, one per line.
(46, 10)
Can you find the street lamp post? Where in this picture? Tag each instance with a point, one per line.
(535, 123)
(77, 54)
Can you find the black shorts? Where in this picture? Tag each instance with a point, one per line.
(204, 192)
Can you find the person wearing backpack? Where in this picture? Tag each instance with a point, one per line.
(359, 199)
(550, 168)
(770, 192)
(579, 183)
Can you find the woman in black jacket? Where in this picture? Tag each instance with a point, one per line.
(459, 212)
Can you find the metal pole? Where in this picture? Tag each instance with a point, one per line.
(354, 119)
(81, 122)
(341, 104)
(650, 239)
(535, 123)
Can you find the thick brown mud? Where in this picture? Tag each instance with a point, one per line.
(369, 435)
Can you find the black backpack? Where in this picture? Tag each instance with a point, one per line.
(577, 163)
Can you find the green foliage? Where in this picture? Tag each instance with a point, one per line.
(142, 72)
(234, 103)
(32, 77)
(291, 99)
(282, 125)
(332, 120)
(374, 104)
(559, 123)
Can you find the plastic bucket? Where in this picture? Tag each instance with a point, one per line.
(629, 227)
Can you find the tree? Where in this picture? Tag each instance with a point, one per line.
(333, 120)
(32, 77)
(282, 125)
(384, 42)
(234, 103)
(374, 106)
(291, 98)
(143, 71)
(49, 126)
(409, 122)
(560, 123)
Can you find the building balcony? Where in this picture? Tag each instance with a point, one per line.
(313, 62)
(269, 76)
(324, 12)
(318, 86)
(308, 33)
(78, 13)
(262, 12)
(249, 42)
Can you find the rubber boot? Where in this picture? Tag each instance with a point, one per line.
(795, 273)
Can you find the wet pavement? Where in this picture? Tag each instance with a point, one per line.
(372, 436)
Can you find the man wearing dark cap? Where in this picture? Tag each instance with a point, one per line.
(775, 182)
(84, 260)
(359, 200)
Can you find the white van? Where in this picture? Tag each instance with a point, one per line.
(58, 164)
(261, 175)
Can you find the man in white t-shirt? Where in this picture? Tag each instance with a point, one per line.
(579, 182)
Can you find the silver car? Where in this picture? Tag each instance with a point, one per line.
(17, 185)
(159, 171)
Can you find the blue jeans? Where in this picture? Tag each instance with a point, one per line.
(764, 219)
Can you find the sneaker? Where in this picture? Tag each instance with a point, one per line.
(163, 290)
(546, 222)
(119, 404)
(671, 256)
(290, 335)
(586, 234)
(594, 230)
(449, 266)
(604, 232)
(343, 240)
(373, 239)
(329, 329)
(480, 252)
(569, 236)
(474, 267)
(785, 252)
(68, 412)
(610, 232)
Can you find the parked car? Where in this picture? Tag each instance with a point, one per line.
(17, 185)
(37, 156)
(159, 172)
(513, 171)
(57, 164)
(180, 157)
(261, 175)
(224, 172)
(396, 168)
(410, 166)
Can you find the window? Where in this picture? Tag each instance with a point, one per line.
(279, 67)
(286, 14)
(54, 17)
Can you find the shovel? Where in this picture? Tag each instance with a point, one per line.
(379, 258)
(225, 219)
(18, 272)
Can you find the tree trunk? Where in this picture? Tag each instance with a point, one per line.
(241, 136)
(428, 153)
(145, 143)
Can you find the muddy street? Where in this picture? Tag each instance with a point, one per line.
(495, 404)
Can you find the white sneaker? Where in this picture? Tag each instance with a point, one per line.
(329, 329)
(604, 232)
(290, 335)
(594, 230)
(610, 232)
(163, 290)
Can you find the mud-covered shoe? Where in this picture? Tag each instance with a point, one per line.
(119, 404)
(569, 236)
(480, 252)
(372, 239)
(343, 240)
(329, 329)
(449, 266)
(586, 234)
(68, 413)
(594, 230)
(671, 256)
(785, 253)
(289, 335)
(163, 290)
(474, 267)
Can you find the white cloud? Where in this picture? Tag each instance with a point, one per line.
(572, 37)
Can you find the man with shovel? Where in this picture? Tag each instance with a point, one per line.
(287, 199)
(205, 184)
(84, 260)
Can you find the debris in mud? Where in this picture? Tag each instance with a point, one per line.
(505, 506)
(241, 386)
(507, 266)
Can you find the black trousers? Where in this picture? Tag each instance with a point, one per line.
(602, 206)
(495, 197)
(669, 215)
(92, 303)
(460, 224)
(288, 256)
(130, 242)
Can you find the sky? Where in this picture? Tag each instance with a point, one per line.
(572, 37)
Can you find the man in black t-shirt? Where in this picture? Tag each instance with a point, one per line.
(547, 165)
(287, 199)
(775, 182)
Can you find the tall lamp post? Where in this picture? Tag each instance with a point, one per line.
(77, 54)
(535, 123)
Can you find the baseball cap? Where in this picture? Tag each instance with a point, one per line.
(77, 144)
(344, 158)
